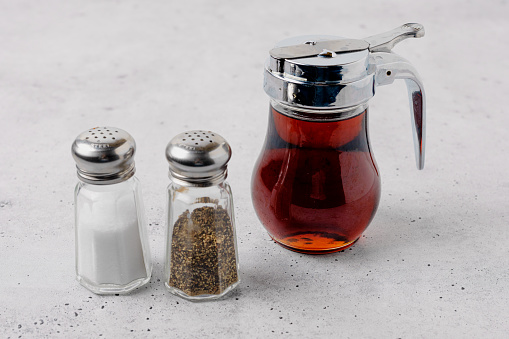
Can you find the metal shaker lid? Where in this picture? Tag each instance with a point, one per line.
(104, 155)
(198, 158)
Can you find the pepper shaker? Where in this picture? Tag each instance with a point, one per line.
(201, 250)
(112, 250)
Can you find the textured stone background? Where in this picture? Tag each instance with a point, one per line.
(433, 263)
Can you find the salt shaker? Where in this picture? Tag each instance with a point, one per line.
(201, 250)
(112, 250)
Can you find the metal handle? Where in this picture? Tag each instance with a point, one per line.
(389, 67)
(384, 42)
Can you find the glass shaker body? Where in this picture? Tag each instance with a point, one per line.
(316, 186)
(112, 250)
(201, 249)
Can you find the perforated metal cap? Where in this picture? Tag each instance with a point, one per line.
(104, 155)
(198, 158)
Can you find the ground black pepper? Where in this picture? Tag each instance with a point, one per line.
(203, 257)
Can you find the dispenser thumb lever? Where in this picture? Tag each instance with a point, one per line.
(384, 42)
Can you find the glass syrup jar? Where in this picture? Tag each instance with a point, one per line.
(112, 250)
(316, 186)
(201, 260)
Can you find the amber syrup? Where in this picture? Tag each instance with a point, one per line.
(316, 186)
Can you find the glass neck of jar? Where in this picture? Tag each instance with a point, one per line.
(316, 114)
(114, 187)
(208, 181)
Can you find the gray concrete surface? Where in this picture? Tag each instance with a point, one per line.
(434, 263)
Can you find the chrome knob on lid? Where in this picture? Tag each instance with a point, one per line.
(198, 158)
(104, 155)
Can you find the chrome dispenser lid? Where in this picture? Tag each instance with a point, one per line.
(198, 158)
(327, 71)
(104, 155)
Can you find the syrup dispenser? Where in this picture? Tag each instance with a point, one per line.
(316, 186)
